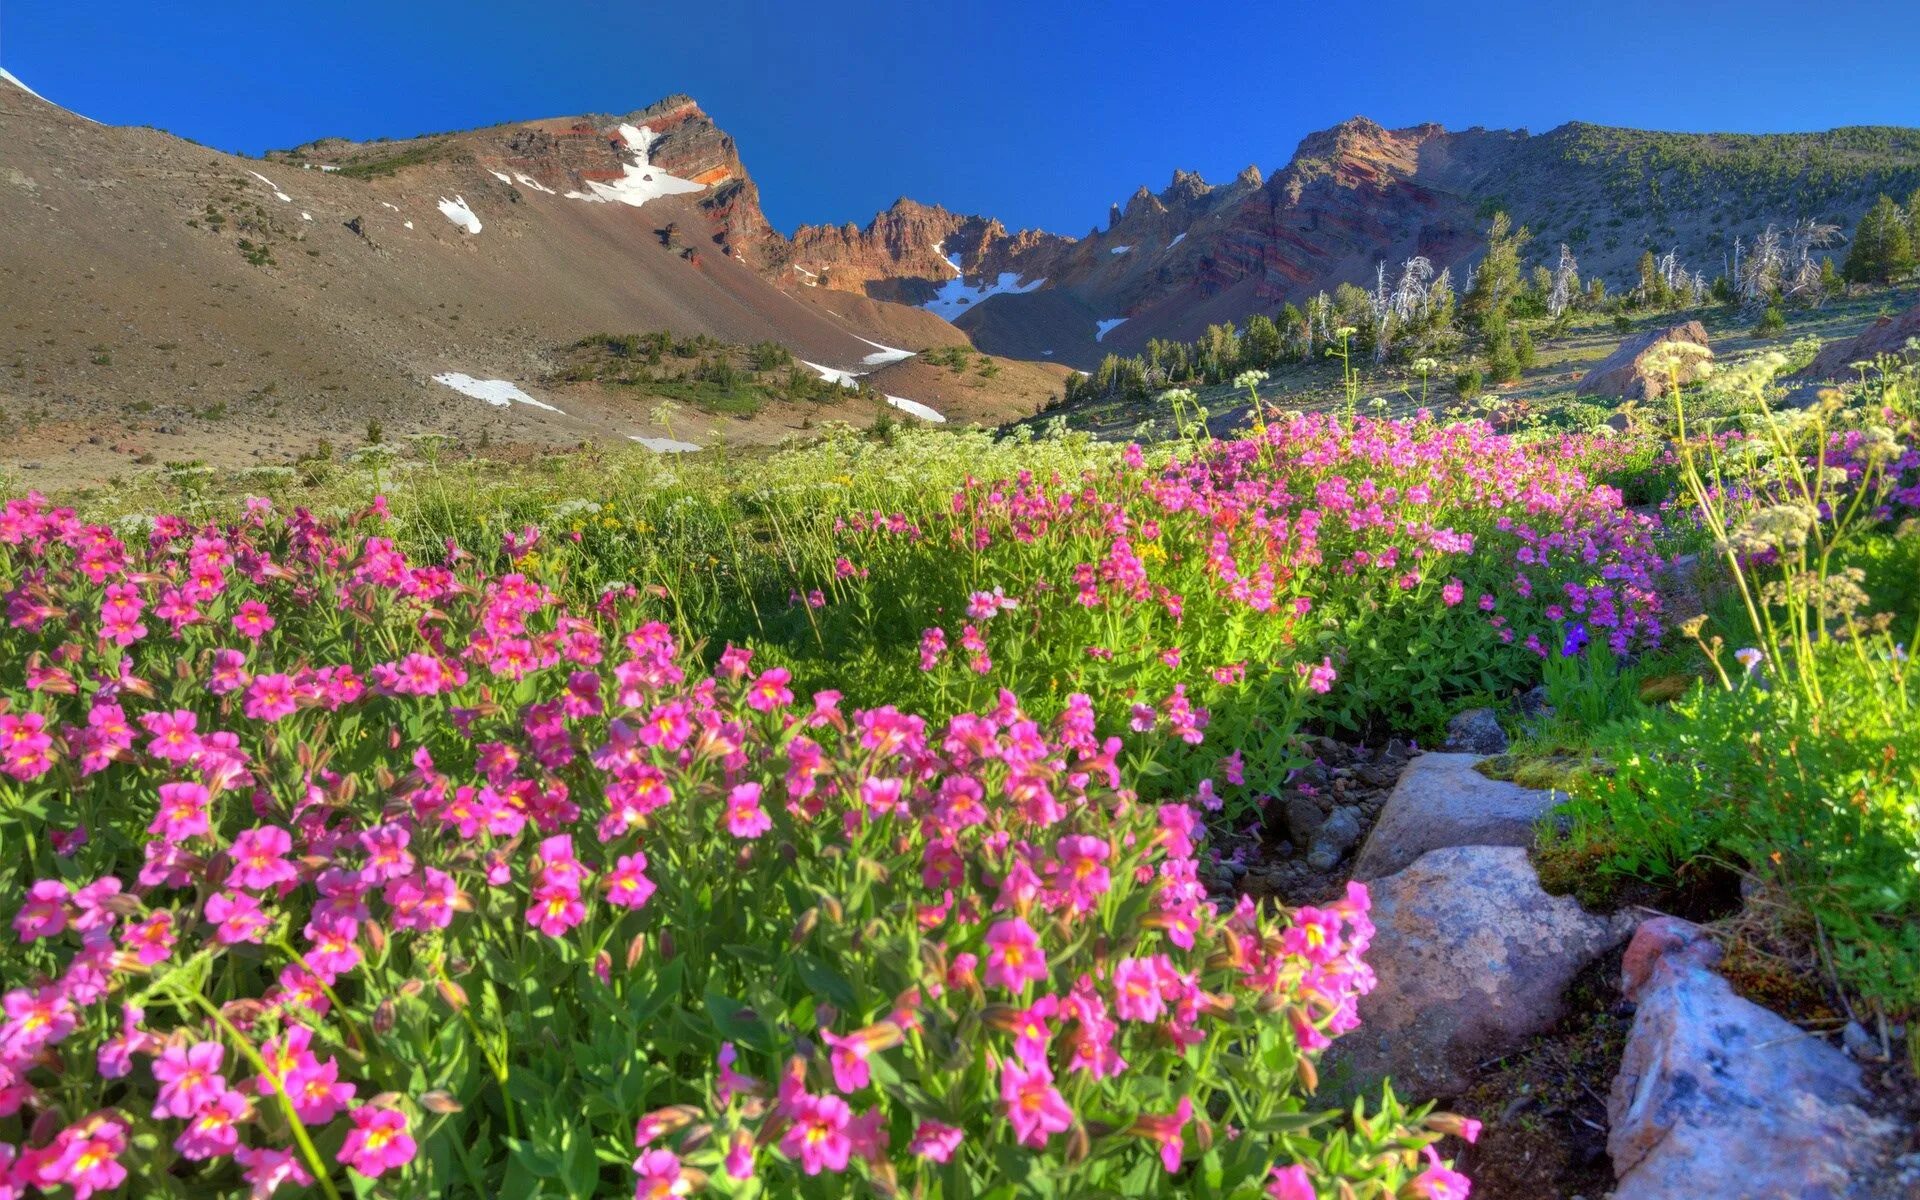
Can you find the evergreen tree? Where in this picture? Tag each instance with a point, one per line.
(1261, 346)
(1913, 222)
(1653, 291)
(1503, 364)
(1882, 249)
(1497, 281)
(1523, 350)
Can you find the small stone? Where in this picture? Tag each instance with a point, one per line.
(1476, 731)
(1861, 1044)
(1300, 819)
(1336, 835)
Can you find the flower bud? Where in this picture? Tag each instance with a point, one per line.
(440, 1101)
(451, 992)
(803, 928)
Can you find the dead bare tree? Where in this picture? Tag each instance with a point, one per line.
(1566, 282)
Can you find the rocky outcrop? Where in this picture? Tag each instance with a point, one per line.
(1719, 1099)
(1442, 801)
(1834, 364)
(1472, 958)
(908, 252)
(1476, 731)
(1640, 370)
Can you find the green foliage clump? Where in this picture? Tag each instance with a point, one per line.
(1883, 246)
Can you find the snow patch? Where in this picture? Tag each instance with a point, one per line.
(955, 297)
(1107, 327)
(638, 182)
(661, 445)
(530, 182)
(306, 216)
(394, 207)
(456, 210)
(883, 354)
(849, 379)
(1119, 249)
(406, 224)
(1178, 238)
(497, 392)
(914, 408)
(502, 176)
(277, 193)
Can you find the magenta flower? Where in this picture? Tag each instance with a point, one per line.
(1440, 1182)
(770, 690)
(253, 619)
(259, 858)
(236, 917)
(627, 884)
(214, 1130)
(556, 909)
(271, 697)
(816, 1134)
(935, 1142)
(1080, 875)
(848, 1057)
(745, 818)
(1014, 956)
(183, 811)
(1137, 988)
(189, 1077)
(378, 1141)
(44, 912)
(1035, 1108)
(267, 1169)
(86, 1157)
(657, 1176)
(1291, 1183)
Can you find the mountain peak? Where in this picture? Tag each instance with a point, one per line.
(1187, 186)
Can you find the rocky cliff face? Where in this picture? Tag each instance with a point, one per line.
(1168, 263)
(908, 252)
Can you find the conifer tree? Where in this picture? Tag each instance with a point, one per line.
(1882, 249)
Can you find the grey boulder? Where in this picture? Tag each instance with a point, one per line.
(1719, 1099)
(1476, 731)
(1442, 801)
(1472, 958)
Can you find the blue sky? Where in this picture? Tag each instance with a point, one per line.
(1037, 112)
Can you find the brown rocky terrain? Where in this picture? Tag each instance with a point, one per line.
(161, 301)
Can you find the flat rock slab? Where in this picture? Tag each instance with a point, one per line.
(1442, 801)
(1472, 958)
(1719, 1099)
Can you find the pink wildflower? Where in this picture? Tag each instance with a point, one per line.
(378, 1141)
(1014, 956)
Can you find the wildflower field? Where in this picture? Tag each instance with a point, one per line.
(831, 823)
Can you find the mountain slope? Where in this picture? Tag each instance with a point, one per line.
(300, 298)
(1169, 263)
